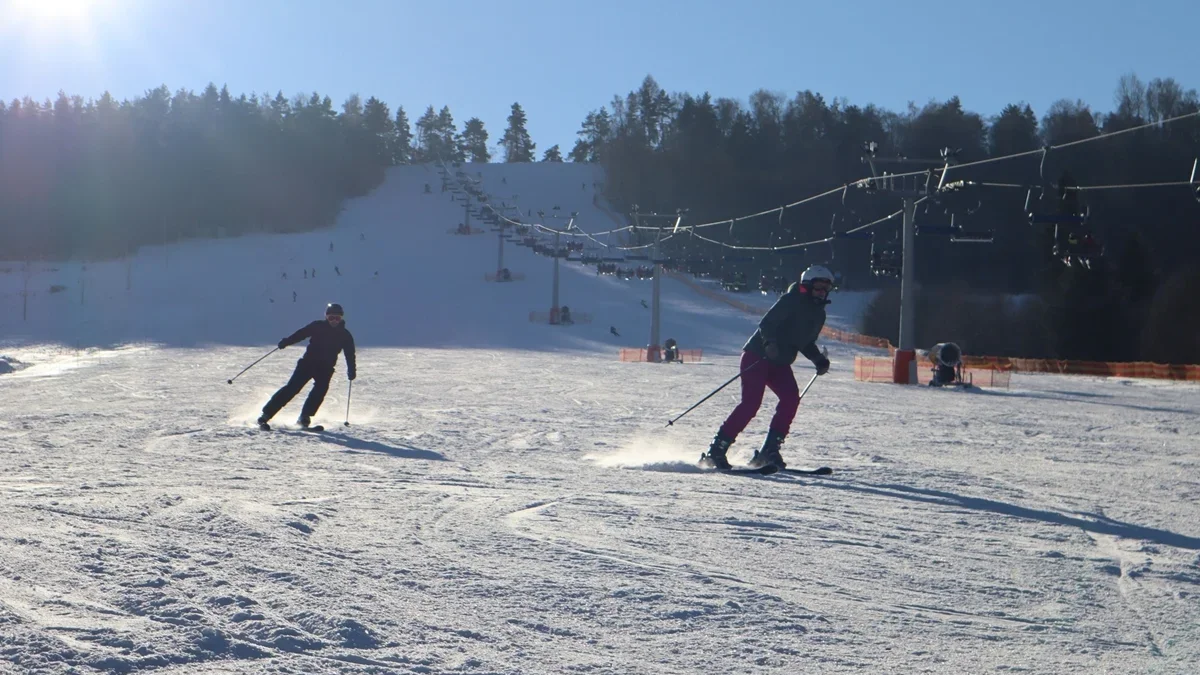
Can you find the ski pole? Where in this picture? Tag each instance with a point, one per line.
(349, 389)
(714, 391)
(230, 380)
(810, 383)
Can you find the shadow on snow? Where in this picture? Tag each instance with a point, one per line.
(359, 445)
(1100, 526)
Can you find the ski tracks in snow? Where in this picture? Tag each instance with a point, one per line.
(509, 529)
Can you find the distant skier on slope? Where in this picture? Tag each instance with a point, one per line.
(790, 327)
(326, 339)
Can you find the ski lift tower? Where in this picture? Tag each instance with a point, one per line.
(555, 309)
(504, 222)
(912, 189)
(499, 229)
(654, 349)
(467, 211)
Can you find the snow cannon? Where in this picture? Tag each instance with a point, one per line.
(671, 351)
(947, 363)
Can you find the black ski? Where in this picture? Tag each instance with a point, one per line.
(823, 471)
(705, 463)
(267, 427)
(761, 471)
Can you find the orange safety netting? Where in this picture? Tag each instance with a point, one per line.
(855, 338)
(635, 354)
(879, 369)
(1144, 369)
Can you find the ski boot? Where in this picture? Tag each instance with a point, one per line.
(715, 457)
(262, 423)
(769, 452)
(304, 421)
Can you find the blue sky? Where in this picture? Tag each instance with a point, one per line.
(562, 58)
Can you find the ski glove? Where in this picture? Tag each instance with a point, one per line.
(282, 344)
(771, 350)
(822, 365)
(351, 375)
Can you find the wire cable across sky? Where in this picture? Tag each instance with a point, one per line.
(949, 167)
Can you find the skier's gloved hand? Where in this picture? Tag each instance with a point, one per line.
(351, 375)
(822, 366)
(771, 350)
(282, 344)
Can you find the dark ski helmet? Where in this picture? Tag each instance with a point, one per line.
(334, 308)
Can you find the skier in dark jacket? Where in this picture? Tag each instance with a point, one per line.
(326, 339)
(789, 328)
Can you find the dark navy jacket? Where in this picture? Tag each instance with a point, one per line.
(325, 342)
(792, 324)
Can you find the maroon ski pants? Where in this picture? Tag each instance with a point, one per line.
(780, 379)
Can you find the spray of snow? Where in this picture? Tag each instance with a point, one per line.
(657, 453)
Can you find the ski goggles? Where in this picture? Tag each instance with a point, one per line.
(333, 317)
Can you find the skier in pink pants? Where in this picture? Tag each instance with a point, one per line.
(789, 328)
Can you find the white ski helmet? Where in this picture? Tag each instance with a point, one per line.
(815, 272)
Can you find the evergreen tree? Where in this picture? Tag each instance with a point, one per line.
(583, 147)
(518, 147)
(403, 152)
(449, 146)
(352, 110)
(279, 108)
(429, 138)
(653, 109)
(1014, 130)
(163, 167)
(1068, 121)
(474, 141)
(377, 119)
(552, 154)
(592, 136)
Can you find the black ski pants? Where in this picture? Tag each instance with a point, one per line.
(305, 371)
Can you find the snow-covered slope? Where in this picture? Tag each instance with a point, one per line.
(513, 512)
(520, 506)
(403, 280)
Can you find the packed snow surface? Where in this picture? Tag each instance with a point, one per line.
(507, 497)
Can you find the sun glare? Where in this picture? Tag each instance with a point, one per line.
(41, 24)
(43, 15)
